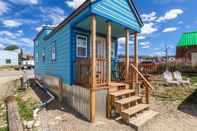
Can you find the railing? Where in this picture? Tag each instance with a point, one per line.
(144, 81)
(101, 71)
(83, 72)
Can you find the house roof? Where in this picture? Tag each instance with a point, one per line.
(81, 8)
(188, 39)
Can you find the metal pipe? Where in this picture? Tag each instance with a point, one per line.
(43, 104)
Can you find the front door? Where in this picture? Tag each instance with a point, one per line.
(101, 57)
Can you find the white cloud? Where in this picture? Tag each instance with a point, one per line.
(55, 14)
(149, 29)
(171, 14)
(149, 17)
(141, 37)
(145, 44)
(8, 38)
(2, 46)
(5, 33)
(11, 23)
(3, 7)
(74, 3)
(25, 2)
(170, 29)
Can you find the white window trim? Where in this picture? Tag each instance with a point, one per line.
(86, 46)
(53, 54)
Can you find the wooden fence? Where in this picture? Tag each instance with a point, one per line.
(79, 99)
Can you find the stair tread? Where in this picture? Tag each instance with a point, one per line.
(118, 84)
(122, 92)
(143, 118)
(128, 100)
(135, 109)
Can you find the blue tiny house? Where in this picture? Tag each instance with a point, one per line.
(82, 49)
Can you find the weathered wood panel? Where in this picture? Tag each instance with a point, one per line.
(14, 120)
(79, 99)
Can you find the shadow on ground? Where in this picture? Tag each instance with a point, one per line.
(55, 104)
(189, 105)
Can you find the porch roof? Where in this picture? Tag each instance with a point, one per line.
(86, 4)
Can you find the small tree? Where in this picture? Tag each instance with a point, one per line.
(11, 47)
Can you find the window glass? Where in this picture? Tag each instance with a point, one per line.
(81, 46)
(43, 55)
(53, 53)
(8, 61)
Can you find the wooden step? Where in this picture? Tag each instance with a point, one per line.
(122, 92)
(128, 100)
(117, 84)
(135, 109)
(142, 118)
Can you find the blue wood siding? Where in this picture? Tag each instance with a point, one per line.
(117, 11)
(61, 66)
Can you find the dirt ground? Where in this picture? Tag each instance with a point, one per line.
(177, 112)
(174, 115)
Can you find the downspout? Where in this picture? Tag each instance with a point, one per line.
(46, 103)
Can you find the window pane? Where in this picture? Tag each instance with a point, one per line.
(81, 51)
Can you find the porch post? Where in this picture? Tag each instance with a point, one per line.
(109, 32)
(127, 54)
(93, 70)
(136, 55)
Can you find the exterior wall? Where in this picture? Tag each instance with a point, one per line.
(11, 55)
(60, 67)
(184, 53)
(118, 11)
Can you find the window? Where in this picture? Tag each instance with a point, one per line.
(81, 46)
(43, 55)
(8, 61)
(36, 43)
(53, 53)
(36, 57)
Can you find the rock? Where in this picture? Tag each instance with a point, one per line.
(29, 124)
(37, 124)
(58, 118)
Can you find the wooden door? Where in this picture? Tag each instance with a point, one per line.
(101, 65)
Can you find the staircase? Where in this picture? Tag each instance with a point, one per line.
(125, 102)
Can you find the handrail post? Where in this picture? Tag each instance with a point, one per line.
(147, 94)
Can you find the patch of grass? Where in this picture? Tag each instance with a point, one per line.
(193, 77)
(178, 93)
(25, 108)
(3, 117)
(7, 68)
(4, 129)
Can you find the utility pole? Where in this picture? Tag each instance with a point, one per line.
(166, 52)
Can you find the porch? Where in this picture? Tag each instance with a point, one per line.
(100, 59)
(94, 70)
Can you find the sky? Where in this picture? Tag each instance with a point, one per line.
(164, 22)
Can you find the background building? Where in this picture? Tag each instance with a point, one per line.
(186, 51)
(9, 58)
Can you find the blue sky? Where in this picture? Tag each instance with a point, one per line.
(164, 21)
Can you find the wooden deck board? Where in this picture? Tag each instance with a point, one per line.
(128, 100)
(122, 92)
(136, 109)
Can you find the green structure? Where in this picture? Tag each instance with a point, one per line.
(187, 48)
